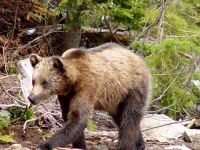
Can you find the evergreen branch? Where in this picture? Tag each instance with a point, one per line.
(163, 94)
(146, 29)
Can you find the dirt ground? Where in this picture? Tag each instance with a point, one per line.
(103, 139)
(32, 137)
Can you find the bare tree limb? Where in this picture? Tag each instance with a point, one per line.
(8, 76)
(191, 71)
(146, 29)
(14, 98)
(163, 93)
(4, 106)
(15, 21)
(177, 122)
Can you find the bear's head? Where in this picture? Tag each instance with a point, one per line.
(49, 78)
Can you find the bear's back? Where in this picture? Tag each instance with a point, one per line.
(111, 71)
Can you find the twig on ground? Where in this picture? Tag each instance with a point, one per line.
(14, 98)
(4, 106)
(27, 121)
(7, 76)
(38, 38)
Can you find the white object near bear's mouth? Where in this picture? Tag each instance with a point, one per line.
(25, 77)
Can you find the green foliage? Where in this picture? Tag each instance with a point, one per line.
(93, 13)
(4, 119)
(196, 76)
(169, 68)
(7, 138)
(20, 113)
(181, 18)
(29, 114)
(170, 60)
(46, 134)
(91, 126)
(11, 69)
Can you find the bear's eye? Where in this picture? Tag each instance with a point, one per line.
(33, 82)
(44, 84)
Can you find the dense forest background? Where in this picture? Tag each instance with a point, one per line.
(165, 32)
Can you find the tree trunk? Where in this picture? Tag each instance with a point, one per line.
(161, 25)
(71, 39)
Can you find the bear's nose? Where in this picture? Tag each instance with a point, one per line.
(31, 99)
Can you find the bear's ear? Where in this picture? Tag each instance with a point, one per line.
(34, 59)
(58, 64)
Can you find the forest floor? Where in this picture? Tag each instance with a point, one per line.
(104, 138)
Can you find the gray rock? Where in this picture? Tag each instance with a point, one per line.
(177, 147)
(165, 129)
(16, 147)
(101, 147)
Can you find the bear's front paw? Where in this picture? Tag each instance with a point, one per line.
(44, 146)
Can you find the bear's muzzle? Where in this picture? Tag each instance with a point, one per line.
(31, 98)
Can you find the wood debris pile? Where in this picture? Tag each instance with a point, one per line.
(21, 14)
(21, 23)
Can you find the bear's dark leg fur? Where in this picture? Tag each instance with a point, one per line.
(128, 117)
(80, 142)
(64, 103)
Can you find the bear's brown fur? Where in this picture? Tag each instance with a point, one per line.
(108, 77)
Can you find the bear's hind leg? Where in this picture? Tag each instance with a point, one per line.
(80, 142)
(128, 120)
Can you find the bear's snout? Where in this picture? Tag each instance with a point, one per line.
(31, 99)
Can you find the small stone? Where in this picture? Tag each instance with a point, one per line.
(16, 147)
(115, 141)
(101, 147)
(177, 147)
(108, 140)
(186, 137)
(25, 148)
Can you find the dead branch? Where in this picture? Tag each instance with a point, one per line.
(47, 116)
(15, 20)
(7, 76)
(161, 25)
(176, 36)
(163, 94)
(14, 98)
(186, 55)
(177, 122)
(191, 71)
(37, 39)
(146, 29)
(111, 32)
(3, 40)
(27, 121)
(6, 45)
(159, 110)
(4, 106)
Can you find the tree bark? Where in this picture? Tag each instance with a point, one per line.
(71, 39)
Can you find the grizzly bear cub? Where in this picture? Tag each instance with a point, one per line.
(108, 77)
